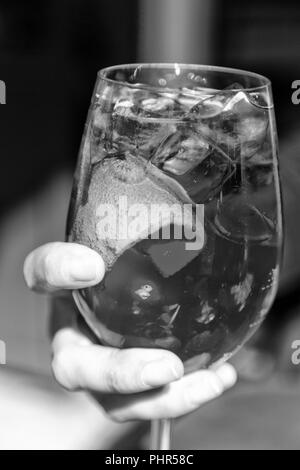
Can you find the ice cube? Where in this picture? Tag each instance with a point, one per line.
(151, 134)
(233, 122)
(238, 220)
(239, 99)
(101, 131)
(208, 108)
(123, 107)
(251, 132)
(159, 105)
(192, 152)
(206, 179)
(190, 156)
(183, 162)
(213, 105)
(124, 126)
(259, 167)
(140, 124)
(168, 146)
(134, 93)
(101, 122)
(181, 151)
(250, 124)
(188, 98)
(171, 256)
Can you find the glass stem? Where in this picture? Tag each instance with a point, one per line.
(161, 434)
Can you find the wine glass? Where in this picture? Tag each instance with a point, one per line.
(177, 188)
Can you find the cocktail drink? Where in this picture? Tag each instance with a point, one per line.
(177, 188)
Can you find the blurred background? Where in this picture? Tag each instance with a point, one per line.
(50, 53)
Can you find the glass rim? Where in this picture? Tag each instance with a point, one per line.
(102, 74)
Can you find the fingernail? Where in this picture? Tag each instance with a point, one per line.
(157, 373)
(227, 375)
(84, 268)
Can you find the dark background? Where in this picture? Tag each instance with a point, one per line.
(49, 56)
(50, 53)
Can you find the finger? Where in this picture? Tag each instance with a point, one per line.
(108, 370)
(174, 400)
(56, 266)
(69, 337)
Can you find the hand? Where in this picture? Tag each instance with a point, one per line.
(130, 383)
